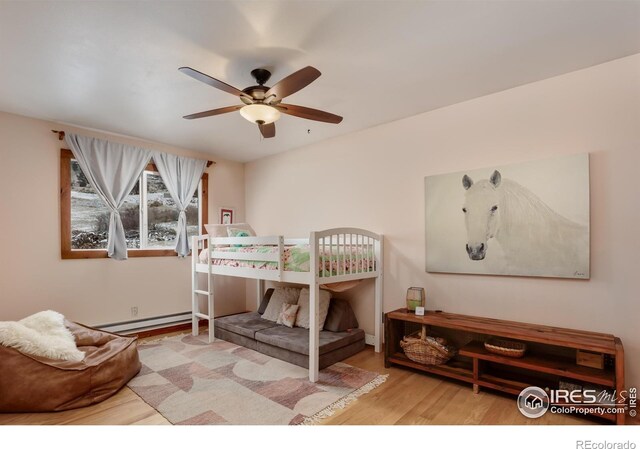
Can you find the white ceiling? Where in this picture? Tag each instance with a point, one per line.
(113, 65)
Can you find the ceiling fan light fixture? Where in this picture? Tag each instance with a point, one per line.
(260, 113)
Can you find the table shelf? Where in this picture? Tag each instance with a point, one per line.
(455, 372)
(547, 362)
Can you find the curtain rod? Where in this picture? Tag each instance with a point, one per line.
(61, 136)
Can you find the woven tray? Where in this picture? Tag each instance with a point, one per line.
(427, 350)
(509, 348)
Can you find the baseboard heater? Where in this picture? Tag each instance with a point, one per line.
(146, 324)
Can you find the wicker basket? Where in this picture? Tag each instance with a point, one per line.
(509, 348)
(426, 350)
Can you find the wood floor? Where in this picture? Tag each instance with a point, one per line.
(409, 397)
(125, 407)
(406, 397)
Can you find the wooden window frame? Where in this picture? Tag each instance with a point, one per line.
(65, 217)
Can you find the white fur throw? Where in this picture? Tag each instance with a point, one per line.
(42, 334)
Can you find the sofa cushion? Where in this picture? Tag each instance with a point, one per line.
(296, 339)
(238, 339)
(288, 314)
(281, 295)
(340, 317)
(302, 320)
(265, 301)
(246, 324)
(325, 360)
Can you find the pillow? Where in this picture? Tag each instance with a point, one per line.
(265, 301)
(288, 314)
(340, 316)
(302, 320)
(281, 295)
(237, 232)
(216, 230)
(220, 230)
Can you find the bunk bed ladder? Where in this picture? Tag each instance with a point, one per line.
(196, 315)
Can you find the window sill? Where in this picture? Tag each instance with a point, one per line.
(102, 254)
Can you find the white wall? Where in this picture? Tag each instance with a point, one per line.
(374, 179)
(95, 291)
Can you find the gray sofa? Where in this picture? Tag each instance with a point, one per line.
(289, 344)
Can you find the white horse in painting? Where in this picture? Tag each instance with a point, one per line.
(534, 238)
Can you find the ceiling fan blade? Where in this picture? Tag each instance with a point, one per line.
(213, 112)
(293, 83)
(213, 82)
(268, 130)
(308, 113)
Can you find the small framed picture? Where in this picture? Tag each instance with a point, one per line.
(226, 215)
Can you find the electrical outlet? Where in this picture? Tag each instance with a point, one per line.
(134, 311)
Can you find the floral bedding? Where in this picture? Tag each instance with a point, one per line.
(296, 258)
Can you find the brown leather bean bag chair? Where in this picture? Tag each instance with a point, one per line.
(37, 384)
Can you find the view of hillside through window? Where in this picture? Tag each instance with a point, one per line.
(147, 226)
(163, 215)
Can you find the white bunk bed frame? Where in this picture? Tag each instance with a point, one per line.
(367, 244)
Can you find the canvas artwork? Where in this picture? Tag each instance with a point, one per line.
(226, 215)
(529, 219)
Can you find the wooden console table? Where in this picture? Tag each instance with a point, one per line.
(551, 355)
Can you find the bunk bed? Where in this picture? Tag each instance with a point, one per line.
(334, 256)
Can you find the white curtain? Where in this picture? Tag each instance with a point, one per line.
(181, 175)
(112, 170)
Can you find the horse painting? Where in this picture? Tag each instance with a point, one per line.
(533, 237)
(497, 225)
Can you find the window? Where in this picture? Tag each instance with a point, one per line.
(149, 215)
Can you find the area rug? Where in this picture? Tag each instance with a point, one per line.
(191, 381)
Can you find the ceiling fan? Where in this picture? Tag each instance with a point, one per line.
(263, 104)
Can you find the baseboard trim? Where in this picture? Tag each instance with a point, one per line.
(145, 324)
(150, 327)
(164, 330)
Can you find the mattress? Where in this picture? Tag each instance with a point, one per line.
(337, 260)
